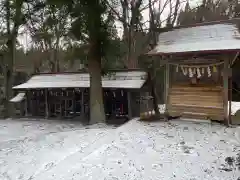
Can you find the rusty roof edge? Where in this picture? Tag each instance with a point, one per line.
(166, 29)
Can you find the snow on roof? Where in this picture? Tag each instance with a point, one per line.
(202, 37)
(19, 97)
(130, 79)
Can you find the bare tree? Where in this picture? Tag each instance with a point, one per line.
(48, 29)
(139, 34)
(209, 10)
(128, 13)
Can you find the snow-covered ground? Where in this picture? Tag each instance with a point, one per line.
(44, 150)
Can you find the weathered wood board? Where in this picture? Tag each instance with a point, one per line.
(199, 102)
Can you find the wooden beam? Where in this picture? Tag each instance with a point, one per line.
(196, 62)
(234, 59)
(46, 104)
(82, 104)
(74, 103)
(129, 104)
(230, 89)
(199, 58)
(166, 91)
(26, 103)
(225, 90)
(230, 100)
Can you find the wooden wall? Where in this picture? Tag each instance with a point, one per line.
(199, 102)
(203, 100)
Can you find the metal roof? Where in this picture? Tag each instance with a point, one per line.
(215, 36)
(131, 79)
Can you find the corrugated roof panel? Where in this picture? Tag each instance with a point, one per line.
(134, 79)
(209, 37)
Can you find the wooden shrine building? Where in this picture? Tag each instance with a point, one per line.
(66, 95)
(198, 61)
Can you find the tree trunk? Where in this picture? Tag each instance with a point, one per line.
(9, 61)
(56, 57)
(153, 92)
(97, 113)
(8, 78)
(155, 100)
(130, 30)
(55, 61)
(52, 60)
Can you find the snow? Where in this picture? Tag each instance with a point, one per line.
(235, 106)
(37, 150)
(210, 37)
(128, 79)
(19, 97)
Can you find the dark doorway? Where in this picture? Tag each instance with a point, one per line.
(116, 105)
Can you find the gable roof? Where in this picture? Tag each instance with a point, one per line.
(210, 37)
(129, 79)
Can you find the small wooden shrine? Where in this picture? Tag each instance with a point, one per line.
(66, 95)
(198, 61)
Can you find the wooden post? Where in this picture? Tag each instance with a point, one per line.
(129, 105)
(82, 103)
(74, 103)
(166, 91)
(230, 101)
(225, 91)
(230, 88)
(46, 104)
(26, 103)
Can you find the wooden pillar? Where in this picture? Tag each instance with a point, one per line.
(230, 100)
(230, 64)
(166, 90)
(74, 103)
(82, 103)
(225, 91)
(46, 104)
(129, 104)
(26, 103)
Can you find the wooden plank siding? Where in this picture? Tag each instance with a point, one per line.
(199, 102)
